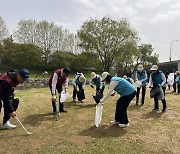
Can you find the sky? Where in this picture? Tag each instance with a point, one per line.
(156, 21)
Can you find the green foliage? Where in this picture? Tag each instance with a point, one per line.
(106, 37)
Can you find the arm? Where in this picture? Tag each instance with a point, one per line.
(84, 83)
(74, 81)
(54, 82)
(150, 81)
(112, 85)
(136, 79)
(164, 79)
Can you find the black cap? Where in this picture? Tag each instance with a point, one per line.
(67, 70)
(24, 73)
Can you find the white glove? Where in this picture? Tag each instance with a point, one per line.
(53, 97)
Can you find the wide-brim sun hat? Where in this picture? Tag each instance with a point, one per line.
(93, 75)
(154, 68)
(104, 75)
(81, 78)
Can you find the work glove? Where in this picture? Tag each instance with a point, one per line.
(53, 97)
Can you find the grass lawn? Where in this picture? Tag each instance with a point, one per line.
(74, 131)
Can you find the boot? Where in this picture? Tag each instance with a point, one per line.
(61, 107)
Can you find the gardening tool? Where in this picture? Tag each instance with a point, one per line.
(27, 132)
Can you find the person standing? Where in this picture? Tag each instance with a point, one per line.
(127, 93)
(96, 80)
(80, 82)
(57, 79)
(178, 81)
(157, 79)
(8, 81)
(141, 76)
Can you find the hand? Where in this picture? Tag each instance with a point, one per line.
(112, 94)
(53, 97)
(13, 114)
(92, 86)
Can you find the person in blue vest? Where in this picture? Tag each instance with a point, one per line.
(128, 79)
(157, 78)
(178, 81)
(80, 82)
(127, 92)
(141, 76)
(8, 81)
(96, 80)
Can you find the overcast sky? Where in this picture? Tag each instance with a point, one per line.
(156, 21)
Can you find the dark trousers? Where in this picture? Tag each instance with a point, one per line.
(121, 108)
(54, 103)
(100, 91)
(174, 87)
(143, 94)
(6, 108)
(178, 85)
(75, 91)
(156, 103)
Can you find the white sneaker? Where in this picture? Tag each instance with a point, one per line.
(8, 125)
(114, 122)
(124, 125)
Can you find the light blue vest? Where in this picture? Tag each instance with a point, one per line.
(141, 76)
(178, 81)
(124, 88)
(97, 82)
(78, 82)
(156, 78)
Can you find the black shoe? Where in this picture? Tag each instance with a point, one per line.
(81, 101)
(155, 109)
(63, 111)
(164, 110)
(137, 103)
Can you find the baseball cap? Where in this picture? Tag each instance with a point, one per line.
(67, 70)
(24, 73)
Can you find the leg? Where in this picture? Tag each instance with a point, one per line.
(137, 95)
(54, 103)
(143, 94)
(174, 87)
(61, 104)
(178, 88)
(164, 104)
(121, 108)
(6, 114)
(156, 105)
(74, 93)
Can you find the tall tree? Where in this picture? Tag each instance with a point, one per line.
(3, 30)
(106, 37)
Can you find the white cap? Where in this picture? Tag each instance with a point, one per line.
(93, 75)
(154, 68)
(140, 67)
(125, 76)
(104, 75)
(177, 72)
(81, 78)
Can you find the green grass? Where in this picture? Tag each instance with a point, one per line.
(74, 132)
